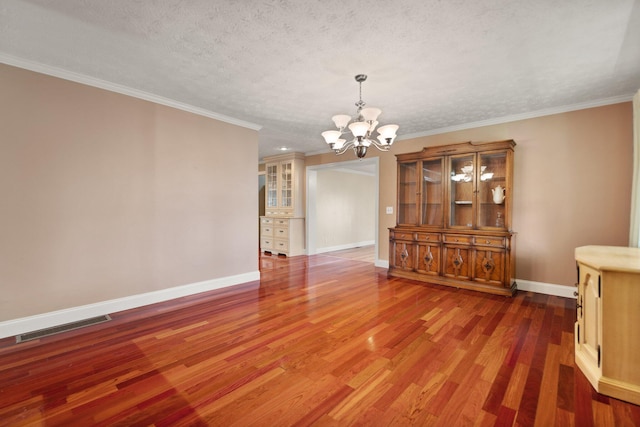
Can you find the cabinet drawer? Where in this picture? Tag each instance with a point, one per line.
(277, 213)
(458, 238)
(281, 232)
(266, 244)
(498, 242)
(266, 231)
(282, 222)
(427, 237)
(400, 235)
(281, 245)
(266, 221)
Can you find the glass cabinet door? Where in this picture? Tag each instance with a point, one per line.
(408, 193)
(272, 185)
(492, 183)
(286, 184)
(431, 193)
(461, 195)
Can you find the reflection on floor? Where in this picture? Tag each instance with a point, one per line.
(363, 253)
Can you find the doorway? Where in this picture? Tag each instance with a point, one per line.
(343, 215)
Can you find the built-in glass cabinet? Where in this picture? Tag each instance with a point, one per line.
(282, 226)
(284, 185)
(454, 216)
(271, 173)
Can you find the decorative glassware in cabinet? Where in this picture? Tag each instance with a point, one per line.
(431, 192)
(492, 192)
(408, 193)
(461, 194)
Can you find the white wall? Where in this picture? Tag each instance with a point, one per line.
(345, 210)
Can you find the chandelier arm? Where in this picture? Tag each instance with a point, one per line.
(379, 146)
(345, 147)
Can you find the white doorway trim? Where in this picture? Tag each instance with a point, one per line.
(312, 181)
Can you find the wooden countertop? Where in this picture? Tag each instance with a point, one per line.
(612, 258)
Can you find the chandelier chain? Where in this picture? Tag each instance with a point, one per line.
(360, 104)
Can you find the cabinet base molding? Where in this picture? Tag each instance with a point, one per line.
(608, 386)
(460, 284)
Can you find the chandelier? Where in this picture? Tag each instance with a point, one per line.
(361, 129)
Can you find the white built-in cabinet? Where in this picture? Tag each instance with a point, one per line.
(282, 226)
(607, 337)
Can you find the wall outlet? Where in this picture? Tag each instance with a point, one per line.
(389, 210)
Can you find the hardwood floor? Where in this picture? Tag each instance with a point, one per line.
(362, 253)
(319, 340)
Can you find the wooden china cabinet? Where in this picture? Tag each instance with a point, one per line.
(454, 217)
(282, 226)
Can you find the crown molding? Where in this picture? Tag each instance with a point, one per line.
(523, 116)
(124, 90)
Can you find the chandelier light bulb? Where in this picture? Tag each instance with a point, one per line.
(339, 144)
(383, 141)
(370, 114)
(341, 121)
(331, 136)
(359, 129)
(388, 131)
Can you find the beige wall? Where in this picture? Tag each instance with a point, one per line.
(106, 196)
(572, 184)
(345, 203)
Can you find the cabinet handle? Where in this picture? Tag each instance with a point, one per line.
(579, 306)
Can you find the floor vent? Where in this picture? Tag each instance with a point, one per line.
(62, 328)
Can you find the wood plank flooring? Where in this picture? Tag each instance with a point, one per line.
(319, 340)
(362, 253)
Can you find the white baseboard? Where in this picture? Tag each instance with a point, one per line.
(61, 317)
(546, 288)
(345, 246)
(382, 263)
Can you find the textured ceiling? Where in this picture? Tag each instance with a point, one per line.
(287, 66)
